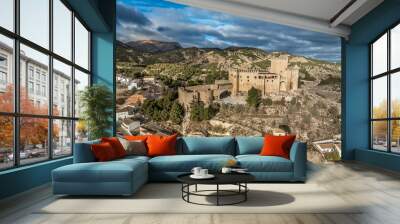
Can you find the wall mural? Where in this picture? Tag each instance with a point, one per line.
(199, 72)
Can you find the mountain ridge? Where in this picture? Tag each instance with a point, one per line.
(153, 46)
(146, 52)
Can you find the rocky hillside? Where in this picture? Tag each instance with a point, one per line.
(312, 111)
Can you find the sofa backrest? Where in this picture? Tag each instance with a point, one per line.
(206, 145)
(239, 145)
(249, 144)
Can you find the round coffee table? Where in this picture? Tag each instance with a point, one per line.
(238, 179)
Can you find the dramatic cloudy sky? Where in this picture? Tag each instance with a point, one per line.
(165, 21)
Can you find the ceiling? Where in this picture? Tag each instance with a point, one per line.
(327, 16)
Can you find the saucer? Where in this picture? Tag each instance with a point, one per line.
(208, 176)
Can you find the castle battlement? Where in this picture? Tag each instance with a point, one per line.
(252, 70)
(277, 78)
(204, 93)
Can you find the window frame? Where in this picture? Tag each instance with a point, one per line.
(388, 74)
(16, 114)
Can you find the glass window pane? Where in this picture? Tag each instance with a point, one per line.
(395, 94)
(35, 21)
(34, 97)
(6, 142)
(7, 14)
(395, 138)
(379, 135)
(395, 47)
(81, 131)
(379, 55)
(6, 74)
(62, 138)
(33, 139)
(81, 45)
(379, 97)
(62, 29)
(62, 89)
(81, 82)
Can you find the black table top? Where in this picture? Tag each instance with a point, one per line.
(220, 178)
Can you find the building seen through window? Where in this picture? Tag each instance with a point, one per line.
(43, 111)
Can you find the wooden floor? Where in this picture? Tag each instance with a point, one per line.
(377, 188)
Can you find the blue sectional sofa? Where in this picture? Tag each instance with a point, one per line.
(125, 176)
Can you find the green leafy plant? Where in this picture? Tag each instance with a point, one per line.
(253, 97)
(164, 109)
(176, 113)
(200, 112)
(97, 103)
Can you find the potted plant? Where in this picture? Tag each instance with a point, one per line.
(96, 102)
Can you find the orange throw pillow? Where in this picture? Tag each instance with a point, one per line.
(103, 152)
(277, 145)
(116, 145)
(161, 145)
(136, 137)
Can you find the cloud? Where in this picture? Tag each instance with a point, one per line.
(133, 24)
(203, 28)
(128, 14)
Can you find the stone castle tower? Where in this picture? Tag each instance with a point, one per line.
(278, 78)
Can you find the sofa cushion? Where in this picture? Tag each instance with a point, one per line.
(277, 145)
(134, 147)
(133, 158)
(206, 145)
(249, 145)
(116, 145)
(112, 171)
(103, 152)
(161, 145)
(257, 163)
(185, 163)
(136, 137)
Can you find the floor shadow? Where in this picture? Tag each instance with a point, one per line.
(256, 198)
(94, 197)
(148, 191)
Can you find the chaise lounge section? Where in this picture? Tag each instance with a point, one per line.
(125, 176)
(88, 177)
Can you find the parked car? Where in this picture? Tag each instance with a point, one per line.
(22, 155)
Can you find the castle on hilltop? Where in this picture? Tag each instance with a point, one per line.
(277, 78)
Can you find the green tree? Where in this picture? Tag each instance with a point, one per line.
(285, 127)
(176, 113)
(253, 97)
(159, 109)
(97, 104)
(197, 112)
(148, 107)
(164, 115)
(210, 111)
(157, 115)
